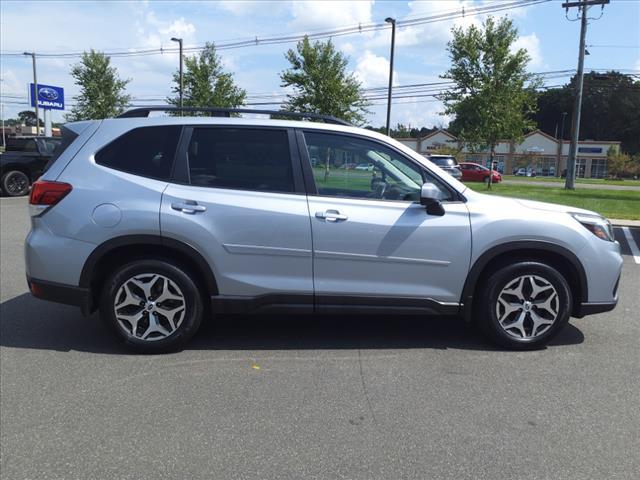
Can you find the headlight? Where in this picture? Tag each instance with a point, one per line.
(599, 226)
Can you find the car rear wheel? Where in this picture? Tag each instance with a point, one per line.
(154, 306)
(15, 183)
(524, 305)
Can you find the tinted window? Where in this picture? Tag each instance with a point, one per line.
(379, 172)
(30, 146)
(16, 144)
(146, 151)
(48, 145)
(241, 158)
(68, 136)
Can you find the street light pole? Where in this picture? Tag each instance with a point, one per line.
(564, 114)
(35, 90)
(392, 21)
(179, 40)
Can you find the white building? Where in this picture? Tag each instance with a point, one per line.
(537, 151)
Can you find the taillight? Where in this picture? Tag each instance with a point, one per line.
(45, 194)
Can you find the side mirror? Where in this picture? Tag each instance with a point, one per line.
(430, 198)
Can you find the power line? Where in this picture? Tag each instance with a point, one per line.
(276, 40)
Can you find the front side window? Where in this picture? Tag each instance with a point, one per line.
(352, 167)
(241, 158)
(145, 151)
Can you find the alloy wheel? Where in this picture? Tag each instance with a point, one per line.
(149, 307)
(527, 307)
(16, 183)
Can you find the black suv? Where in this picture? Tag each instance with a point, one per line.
(23, 162)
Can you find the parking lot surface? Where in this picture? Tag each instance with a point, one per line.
(313, 398)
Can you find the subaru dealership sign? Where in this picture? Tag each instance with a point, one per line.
(49, 97)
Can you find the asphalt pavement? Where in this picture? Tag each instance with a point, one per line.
(313, 398)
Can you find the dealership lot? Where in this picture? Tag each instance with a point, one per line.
(357, 398)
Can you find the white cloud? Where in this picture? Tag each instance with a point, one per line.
(179, 28)
(317, 14)
(373, 70)
(10, 84)
(530, 43)
(251, 7)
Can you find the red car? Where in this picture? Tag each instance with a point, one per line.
(472, 172)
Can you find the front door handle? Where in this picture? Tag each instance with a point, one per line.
(331, 216)
(188, 206)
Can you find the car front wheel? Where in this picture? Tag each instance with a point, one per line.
(524, 305)
(154, 306)
(15, 183)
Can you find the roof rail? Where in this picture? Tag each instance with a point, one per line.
(226, 112)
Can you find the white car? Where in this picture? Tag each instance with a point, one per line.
(365, 166)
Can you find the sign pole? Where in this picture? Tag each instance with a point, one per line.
(47, 122)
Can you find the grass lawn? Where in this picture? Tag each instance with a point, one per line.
(622, 204)
(592, 181)
(347, 179)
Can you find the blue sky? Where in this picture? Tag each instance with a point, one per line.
(72, 26)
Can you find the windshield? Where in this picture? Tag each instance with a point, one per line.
(444, 161)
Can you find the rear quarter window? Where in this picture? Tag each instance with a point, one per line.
(59, 146)
(145, 151)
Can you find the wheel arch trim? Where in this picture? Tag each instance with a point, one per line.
(152, 240)
(529, 246)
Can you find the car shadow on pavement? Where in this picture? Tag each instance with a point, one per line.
(26, 322)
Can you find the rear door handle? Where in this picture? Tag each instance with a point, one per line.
(331, 216)
(188, 206)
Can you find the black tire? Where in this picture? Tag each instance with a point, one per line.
(502, 278)
(15, 183)
(181, 278)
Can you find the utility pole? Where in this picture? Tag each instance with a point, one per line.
(392, 21)
(4, 139)
(35, 90)
(179, 40)
(583, 5)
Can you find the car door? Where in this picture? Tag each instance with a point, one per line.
(238, 199)
(373, 243)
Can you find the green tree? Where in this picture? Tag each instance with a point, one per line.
(102, 91)
(494, 96)
(206, 84)
(26, 117)
(318, 74)
(610, 106)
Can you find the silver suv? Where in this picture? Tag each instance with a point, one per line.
(159, 222)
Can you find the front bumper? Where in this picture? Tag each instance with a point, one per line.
(59, 293)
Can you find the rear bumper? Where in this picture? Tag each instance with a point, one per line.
(591, 308)
(59, 293)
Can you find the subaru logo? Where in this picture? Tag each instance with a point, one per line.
(48, 93)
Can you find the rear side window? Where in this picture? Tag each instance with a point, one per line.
(30, 146)
(68, 136)
(146, 151)
(241, 158)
